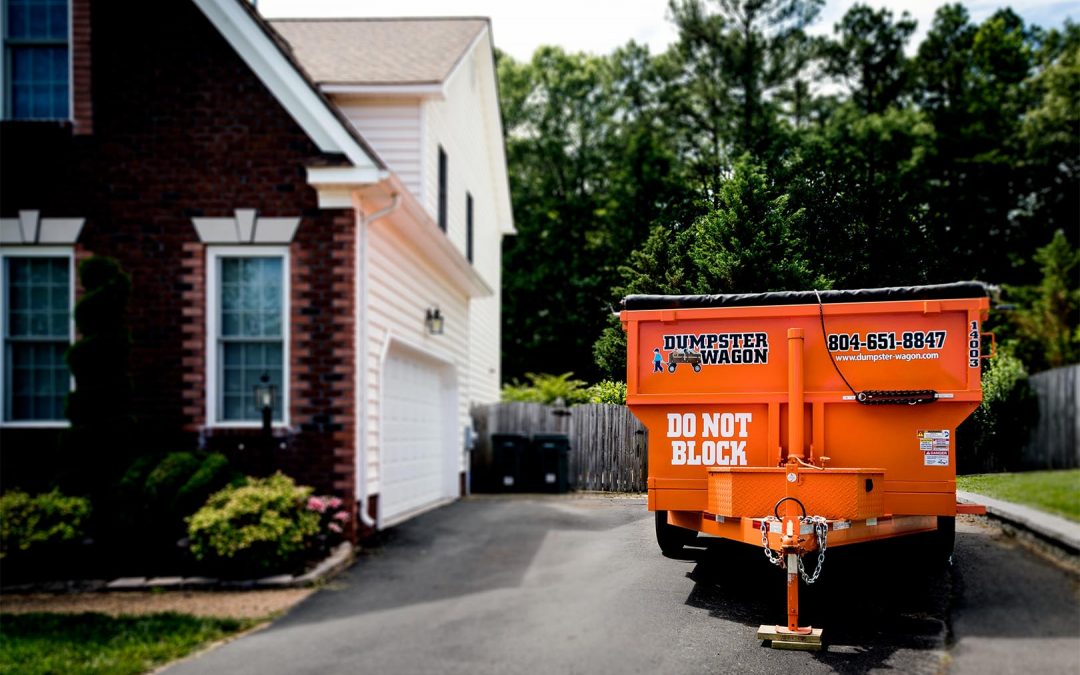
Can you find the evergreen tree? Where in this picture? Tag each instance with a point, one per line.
(97, 447)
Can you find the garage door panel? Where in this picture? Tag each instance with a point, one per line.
(417, 451)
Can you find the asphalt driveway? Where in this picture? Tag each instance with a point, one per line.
(577, 585)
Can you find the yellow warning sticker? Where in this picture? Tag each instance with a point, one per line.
(934, 445)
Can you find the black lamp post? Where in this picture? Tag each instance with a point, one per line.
(264, 399)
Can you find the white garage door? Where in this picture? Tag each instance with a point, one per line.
(419, 460)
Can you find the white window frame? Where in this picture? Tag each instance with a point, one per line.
(35, 252)
(213, 291)
(5, 67)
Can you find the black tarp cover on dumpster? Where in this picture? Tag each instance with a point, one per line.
(962, 289)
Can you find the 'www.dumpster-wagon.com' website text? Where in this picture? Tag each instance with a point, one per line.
(918, 356)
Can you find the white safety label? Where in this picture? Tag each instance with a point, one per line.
(934, 445)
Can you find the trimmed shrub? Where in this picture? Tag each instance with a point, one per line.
(49, 518)
(259, 527)
(171, 473)
(212, 474)
(158, 492)
(608, 391)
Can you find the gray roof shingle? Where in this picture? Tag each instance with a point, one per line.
(379, 51)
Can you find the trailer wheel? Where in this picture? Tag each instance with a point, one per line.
(697, 367)
(672, 538)
(671, 368)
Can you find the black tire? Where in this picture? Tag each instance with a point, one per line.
(697, 367)
(672, 538)
(671, 368)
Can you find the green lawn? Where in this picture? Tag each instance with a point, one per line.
(1054, 491)
(96, 643)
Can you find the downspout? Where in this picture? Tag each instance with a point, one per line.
(361, 402)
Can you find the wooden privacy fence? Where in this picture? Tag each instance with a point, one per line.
(1055, 441)
(607, 443)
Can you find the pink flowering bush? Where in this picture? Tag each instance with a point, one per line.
(333, 519)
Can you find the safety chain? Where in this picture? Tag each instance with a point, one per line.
(821, 530)
(775, 558)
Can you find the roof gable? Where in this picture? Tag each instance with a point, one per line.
(380, 51)
(255, 42)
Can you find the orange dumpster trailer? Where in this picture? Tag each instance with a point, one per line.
(800, 421)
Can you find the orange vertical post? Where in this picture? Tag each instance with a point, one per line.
(796, 398)
(796, 393)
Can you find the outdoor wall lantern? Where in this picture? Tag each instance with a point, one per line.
(434, 321)
(264, 399)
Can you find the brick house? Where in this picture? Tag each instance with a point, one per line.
(292, 200)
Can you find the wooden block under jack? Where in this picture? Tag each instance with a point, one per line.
(781, 639)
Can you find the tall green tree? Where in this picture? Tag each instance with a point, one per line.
(861, 180)
(589, 172)
(956, 163)
(1049, 134)
(1046, 322)
(975, 83)
(734, 64)
(868, 56)
(747, 244)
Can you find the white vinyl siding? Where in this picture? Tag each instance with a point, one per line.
(392, 128)
(462, 125)
(402, 285)
(36, 307)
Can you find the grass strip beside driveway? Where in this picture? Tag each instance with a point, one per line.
(96, 643)
(1056, 492)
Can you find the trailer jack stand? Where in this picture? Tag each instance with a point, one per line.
(792, 636)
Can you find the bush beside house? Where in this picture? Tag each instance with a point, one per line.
(264, 526)
(40, 521)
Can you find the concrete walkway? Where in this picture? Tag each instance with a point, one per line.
(1061, 532)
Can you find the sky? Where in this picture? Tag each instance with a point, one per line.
(599, 26)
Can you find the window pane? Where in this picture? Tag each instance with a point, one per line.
(58, 20)
(39, 82)
(244, 364)
(230, 270)
(251, 297)
(38, 381)
(230, 323)
(17, 18)
(250, 324)
(38, 297)
(37, 19)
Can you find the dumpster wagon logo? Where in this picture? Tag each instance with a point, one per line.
(710, 349)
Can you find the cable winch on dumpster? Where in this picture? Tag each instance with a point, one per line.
(808, 420)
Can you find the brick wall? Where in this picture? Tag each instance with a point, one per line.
(81, 74)
(182, 128)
